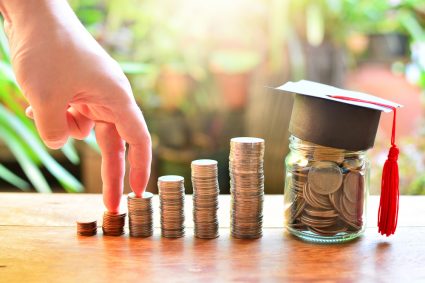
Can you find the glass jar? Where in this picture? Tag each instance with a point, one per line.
(326, 192)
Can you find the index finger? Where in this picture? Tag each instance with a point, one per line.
(132, 127)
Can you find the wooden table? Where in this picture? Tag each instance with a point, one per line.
(38, 244)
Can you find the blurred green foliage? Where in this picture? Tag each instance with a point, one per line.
(176, 40)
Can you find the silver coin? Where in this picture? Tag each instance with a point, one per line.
(325, 177)
(353, 186)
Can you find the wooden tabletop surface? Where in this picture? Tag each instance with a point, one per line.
(38, 243)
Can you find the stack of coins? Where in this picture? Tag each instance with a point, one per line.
(140, 220)
(113, 223)
(246, 187)
(205, 198)
(86, 228)
(325, 192)
(171, 198)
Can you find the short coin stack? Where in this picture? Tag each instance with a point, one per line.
(246, 187)
(113, 223)
(140, 212)
(171, 198)
(205, 198)
(86, 228)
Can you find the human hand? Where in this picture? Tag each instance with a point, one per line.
(72, 84)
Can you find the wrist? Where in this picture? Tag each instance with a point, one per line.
(18, 11)
(29, 18)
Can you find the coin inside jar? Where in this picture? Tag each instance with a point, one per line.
(325, 177)
(353, 163)
(353, 185)
(328, 154)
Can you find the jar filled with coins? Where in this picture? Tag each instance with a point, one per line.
(327, 173)
(326, 191)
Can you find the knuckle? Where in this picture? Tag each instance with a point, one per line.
(41, 99)
(144, 139)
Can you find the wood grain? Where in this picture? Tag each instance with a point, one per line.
(38, 244)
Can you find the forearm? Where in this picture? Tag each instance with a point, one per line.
(32, 20)
(18, 10)
(24, 13)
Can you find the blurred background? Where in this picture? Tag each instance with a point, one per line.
(200, 71)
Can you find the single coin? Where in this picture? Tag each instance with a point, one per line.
(325, 177)
(321, 212)
(350, 208)
(145, 195)
(315, 199)
(204, 162)
(353, 186)
(171, 178)
(328, 154)
(244, 140)
(353, 163)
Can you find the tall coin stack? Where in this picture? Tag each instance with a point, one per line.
(171, 198)
(140, 212)
(113, 223)
(205, 198)
(246, 187)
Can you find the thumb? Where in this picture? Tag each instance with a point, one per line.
(52, 125)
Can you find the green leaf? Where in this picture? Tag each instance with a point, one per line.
(10, 95)
(28, 166)
(13, 106)
(4, 44)
(69, 182)
(132, 68)
(411, 24)
(7, 73)
(91, 141)
(70, 152)
(13, 179)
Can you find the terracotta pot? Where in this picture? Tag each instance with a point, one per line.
(173, 88)
(233, 89)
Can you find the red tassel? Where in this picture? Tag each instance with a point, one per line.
(389, 202)
(388, 206)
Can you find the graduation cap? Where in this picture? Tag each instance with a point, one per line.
(338, 118)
